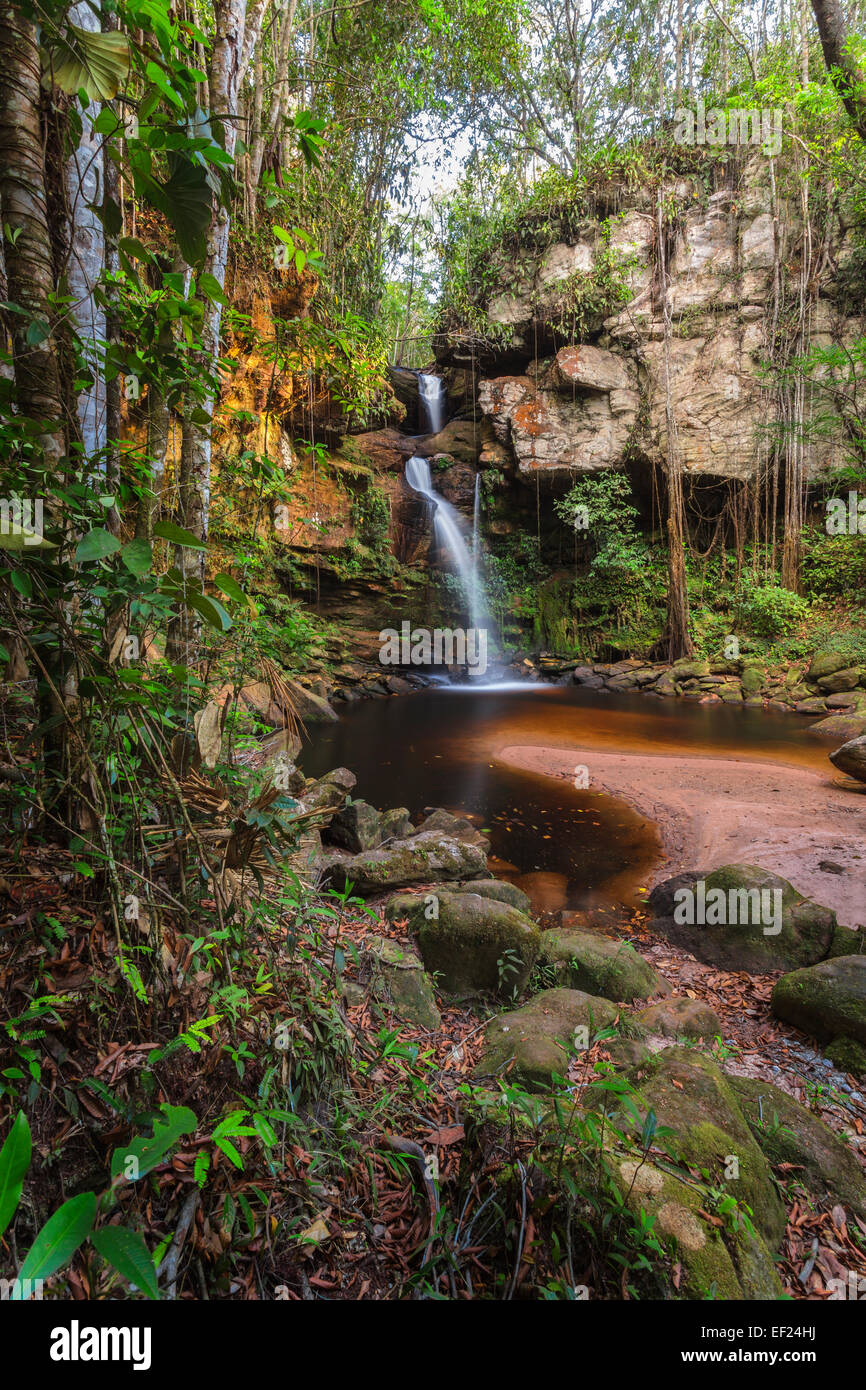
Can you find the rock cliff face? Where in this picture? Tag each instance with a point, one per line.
(553, 410)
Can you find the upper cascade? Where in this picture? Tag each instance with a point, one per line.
(431, 400)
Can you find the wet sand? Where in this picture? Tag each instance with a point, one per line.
(715, 810)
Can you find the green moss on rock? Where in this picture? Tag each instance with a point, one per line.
(787, 1132)
(715, 1265)
(681, 1017)
(535, 1043)
(470, 943)
(498, 889)
(848, 1055)
(747, 938)
(593, 963)
(827, 1000)
(694, 1098)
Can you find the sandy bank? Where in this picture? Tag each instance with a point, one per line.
(712, 811)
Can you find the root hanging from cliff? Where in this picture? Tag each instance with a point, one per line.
(676, 641)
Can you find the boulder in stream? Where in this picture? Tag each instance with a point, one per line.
(457, 827)
(396, 823)
(496, 888)
(844, 726)
(851, 758)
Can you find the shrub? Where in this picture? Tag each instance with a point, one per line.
(768, 609)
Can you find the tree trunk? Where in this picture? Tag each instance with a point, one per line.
(231, 42)
(255, 141)
(23, 208)
(84, 182)
(847, 76)
(677, 639)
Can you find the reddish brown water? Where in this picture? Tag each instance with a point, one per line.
(566, 848)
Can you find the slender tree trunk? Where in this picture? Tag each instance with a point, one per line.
(255, 140)
(84, 183)
(23, 207)
(112, 331)
(281, 76)
(231, 42)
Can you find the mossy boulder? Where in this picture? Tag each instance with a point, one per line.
(329, 792)
(826, 663)
(398, 981)
(396, 823)
(686, 669)
(596, 964)
(813, 704)
(627, 1054)
(787, 1132)
(846, 679)
(715, 1265)
(847, 941)
(848, 1055)
(839, 726)
(455, 827)
(730, 694)
(356, 827)
(827, 1000)
(745, 897)
(694, 1098)
(427, 858)
(470, 943)
(847, 700)
(752, 679)
(680, 1017)
(496, 888)
(534, 1043)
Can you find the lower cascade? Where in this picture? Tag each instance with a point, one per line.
(448, 534)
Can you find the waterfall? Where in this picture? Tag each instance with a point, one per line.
(477, 585)
(448, 534)
(431, 402)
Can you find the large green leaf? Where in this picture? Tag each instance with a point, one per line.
(232, 589)
(210, 285)
(14, 1162)
(127, 1252)
(82, 58)
(96, 545)
(17, 539)
(167, 531)
(137, 555)
(210, 609)
(187, 201)
(59, 1238)
(148, 1152)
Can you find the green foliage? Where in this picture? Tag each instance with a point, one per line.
(600, 508)
(371, 515)
(834, 567)
(768, 609)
